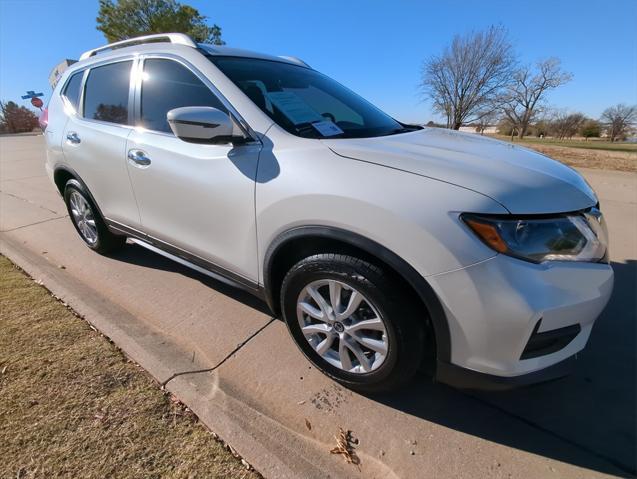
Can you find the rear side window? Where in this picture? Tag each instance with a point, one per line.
(106, 93)
(167, 85)
(72, 89)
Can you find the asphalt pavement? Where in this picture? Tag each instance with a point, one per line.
(217, 348)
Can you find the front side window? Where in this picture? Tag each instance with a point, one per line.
(106, 93)
(72, 89)
(167, 85)
(305, 102)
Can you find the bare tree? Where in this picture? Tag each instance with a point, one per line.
(524, 98)
(619, 119)
(565, 125)
(465, 82)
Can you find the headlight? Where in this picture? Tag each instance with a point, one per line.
(572, 237)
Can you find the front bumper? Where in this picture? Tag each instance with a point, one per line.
(510, 319)
(463, 378)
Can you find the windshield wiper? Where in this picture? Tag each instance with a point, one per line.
(401, 130)
(305, 128)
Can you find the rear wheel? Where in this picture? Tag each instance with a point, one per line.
(352, 323)
(88, 221)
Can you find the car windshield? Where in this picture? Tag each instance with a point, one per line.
(305, 102)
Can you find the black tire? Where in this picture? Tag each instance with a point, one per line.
(404, 322)
(106, 242)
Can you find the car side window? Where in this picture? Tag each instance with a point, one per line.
(168, 84)
(106, 93)
(72, 89)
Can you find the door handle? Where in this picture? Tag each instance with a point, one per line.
(73, 137)
(138, 158)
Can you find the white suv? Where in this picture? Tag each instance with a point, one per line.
(384, 246)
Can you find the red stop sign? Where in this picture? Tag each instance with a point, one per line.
(36, 102)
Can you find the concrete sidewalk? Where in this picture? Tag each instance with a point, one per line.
(261, 392)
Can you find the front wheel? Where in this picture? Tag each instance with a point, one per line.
(352, 322)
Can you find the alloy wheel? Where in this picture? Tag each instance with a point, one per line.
(342, 326)
(83, 217)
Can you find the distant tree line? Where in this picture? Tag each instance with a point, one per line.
(477, 80)
(616, 123)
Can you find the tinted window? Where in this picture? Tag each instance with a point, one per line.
(106, 93)
(72, 89)
(167, 85)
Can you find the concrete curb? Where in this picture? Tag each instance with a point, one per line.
(270, 448)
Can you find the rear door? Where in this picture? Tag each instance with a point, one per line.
(196, 198)
(99, 102)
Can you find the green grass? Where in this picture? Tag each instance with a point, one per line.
(72, 405)
(595, 144)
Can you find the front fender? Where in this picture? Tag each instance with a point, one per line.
(415, 217)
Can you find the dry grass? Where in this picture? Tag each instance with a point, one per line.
(72, 405)
(591, 144)
(593, 154)
(581, 158)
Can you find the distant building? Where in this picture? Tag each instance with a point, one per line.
(489, 130)
(57, 71)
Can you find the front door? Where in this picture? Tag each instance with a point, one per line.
(197, 198)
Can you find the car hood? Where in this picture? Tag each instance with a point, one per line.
(522, 180)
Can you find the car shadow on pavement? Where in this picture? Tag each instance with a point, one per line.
(587, 419)
(137, 255)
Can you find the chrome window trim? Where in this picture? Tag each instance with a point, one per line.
(79, 113)
(62, 95)
(241, 122)
(134, 60)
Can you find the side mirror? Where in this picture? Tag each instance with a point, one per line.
(201, 124)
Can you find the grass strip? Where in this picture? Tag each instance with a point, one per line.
(73, 405)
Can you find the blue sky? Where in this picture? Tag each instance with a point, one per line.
(374, 47)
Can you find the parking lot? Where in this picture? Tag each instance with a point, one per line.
(217, 349)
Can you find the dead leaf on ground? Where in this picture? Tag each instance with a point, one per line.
(308, 425)
(344, 446)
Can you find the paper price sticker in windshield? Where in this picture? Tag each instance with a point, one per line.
(293, 107)
(327, 128)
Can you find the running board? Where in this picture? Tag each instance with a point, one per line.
(190, 265)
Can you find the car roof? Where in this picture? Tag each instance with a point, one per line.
(222, 50)
(171, 42)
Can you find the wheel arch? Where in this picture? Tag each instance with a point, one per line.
(297, 243)
(62, 174)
